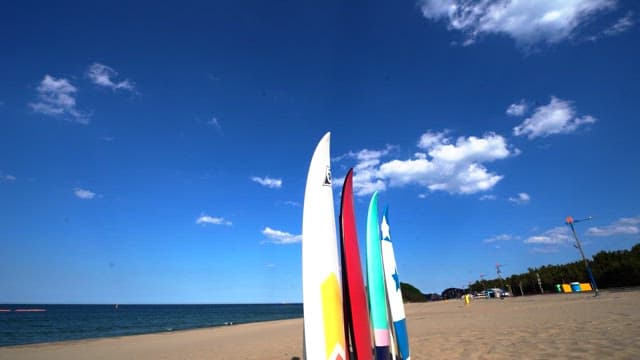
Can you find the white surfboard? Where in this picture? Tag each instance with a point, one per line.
(321, 279)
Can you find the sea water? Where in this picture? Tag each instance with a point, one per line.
(71, 322)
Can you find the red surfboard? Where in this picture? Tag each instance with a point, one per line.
(356, 310)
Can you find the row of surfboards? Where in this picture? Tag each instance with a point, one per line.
(343, 318)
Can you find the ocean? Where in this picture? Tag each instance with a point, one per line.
(72, 322)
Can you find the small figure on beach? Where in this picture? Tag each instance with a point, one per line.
(467, 299)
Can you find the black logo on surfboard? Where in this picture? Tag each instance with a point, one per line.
(327, 177)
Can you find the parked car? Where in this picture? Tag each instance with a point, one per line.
(498, 293)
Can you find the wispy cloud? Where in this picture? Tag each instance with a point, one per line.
(84, 193)
(268, 182)
(56, 97)
(501, 237)
(517, 109)
(622, 226)
(521, 199)
(545, 250)
(557, 236)
(215, 123)
(431, 139)
(7, 177)
(557, 117)
(622, 25)
(280, 237)
(441, 164)
(487, 197)
(289, 203)
(210, 220)
(527, 22)
(103, 75)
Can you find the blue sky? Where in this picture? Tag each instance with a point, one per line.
(157, 153)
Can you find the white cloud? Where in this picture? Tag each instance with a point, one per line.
(206, 219)
(404, 172)
(469, 180)
(103, 75)
(56, 97)
(623, 226)
(487, 148)
(527, 22)
(557, 236)
(501, 237)
(522, 198)
(280, 237)
(7, 177)
(455, 167)
(487, 197)
(517, 109)
(268, 182)
(558, 117)
(84, 193)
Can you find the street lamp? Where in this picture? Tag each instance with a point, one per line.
(570, 221)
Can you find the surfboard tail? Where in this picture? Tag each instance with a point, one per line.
(382, 352)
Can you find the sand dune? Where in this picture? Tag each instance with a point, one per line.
(560, 326)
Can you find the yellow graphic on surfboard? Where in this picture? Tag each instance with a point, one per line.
(333, 318)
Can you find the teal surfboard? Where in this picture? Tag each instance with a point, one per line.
(375, 283)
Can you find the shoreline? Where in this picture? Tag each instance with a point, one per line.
(542, 326)
(206, 327)
(133, 336)
(203, 343)
(60, 322)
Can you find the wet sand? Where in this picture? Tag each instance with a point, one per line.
(561, 326)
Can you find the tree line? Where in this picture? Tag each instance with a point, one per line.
(618, 268)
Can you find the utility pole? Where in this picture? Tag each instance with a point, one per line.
(539, 283)
(570, 221)
(499, 271)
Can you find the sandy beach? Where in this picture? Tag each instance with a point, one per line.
(560, 326)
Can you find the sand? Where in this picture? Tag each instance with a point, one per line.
(558, 326)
